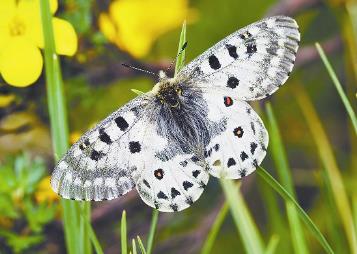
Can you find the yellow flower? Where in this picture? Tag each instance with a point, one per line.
(21, 37)
(134, 25)
(44, 192)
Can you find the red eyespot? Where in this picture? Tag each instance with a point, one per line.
(228, 101)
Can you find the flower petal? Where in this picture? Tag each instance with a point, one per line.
(65, 37)
(107, 27)
(7, 10)
(20, 63)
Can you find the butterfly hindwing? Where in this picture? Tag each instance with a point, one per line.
(241, 147)
(172, 185)
(252, 62)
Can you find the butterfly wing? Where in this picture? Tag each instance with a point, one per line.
(172, 185)
(252, 62)
(241, 147)
(102, 163)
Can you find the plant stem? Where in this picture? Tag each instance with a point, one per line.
(154, 219)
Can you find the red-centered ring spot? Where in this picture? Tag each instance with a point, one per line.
(228, 101)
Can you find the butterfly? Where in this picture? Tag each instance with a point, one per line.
(167, 142)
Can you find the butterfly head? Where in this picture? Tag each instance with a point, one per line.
(168, 92)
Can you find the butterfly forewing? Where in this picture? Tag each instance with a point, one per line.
(251, 63)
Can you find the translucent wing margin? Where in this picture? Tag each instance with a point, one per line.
(252, 63)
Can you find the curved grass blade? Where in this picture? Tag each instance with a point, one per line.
(217, 224)
(283, 170)
(305, 218)
(243, 220)
(330, 165)
(338, 86)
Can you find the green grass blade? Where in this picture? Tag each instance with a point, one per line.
(123, 236)
(245, 225)
(98, 249)
(134, 246)
(217, 224)
(338, 86)
(329, 164)
(180, 61)
(273, 244)
(58, 120)
(155, 216)
(305, 218)
(283, 170)
(141, 246)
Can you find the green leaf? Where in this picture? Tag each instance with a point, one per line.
(338, 86)
(305, 218)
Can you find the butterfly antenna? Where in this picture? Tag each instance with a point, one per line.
(184, 46)
(139, 69)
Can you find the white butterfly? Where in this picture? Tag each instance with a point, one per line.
(168, 141)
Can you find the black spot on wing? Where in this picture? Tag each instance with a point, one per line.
(104, 137)
(231, 162)
(121, 123)
(232, 51)
(162, 195)
(232, 82)
(243, 156)
(134, 147)
(214, 62)
(146, 183)
(174, 192)
(253, 146)
(186, 185)
(196, 173)
(95, 155)
(251, 48)
(174, 207)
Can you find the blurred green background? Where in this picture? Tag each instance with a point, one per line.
(317, 135)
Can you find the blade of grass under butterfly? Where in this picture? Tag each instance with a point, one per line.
(273, 244)
(330, 165)
(123, 236)
(303, 215)
(155, 216)
(283, 170)
(98, 249)
(141, 246)
(338, 86)
(243, 220)
(58, 121)
(212, 235)
(134, 246)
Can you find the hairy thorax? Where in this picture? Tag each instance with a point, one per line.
(181, 115)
